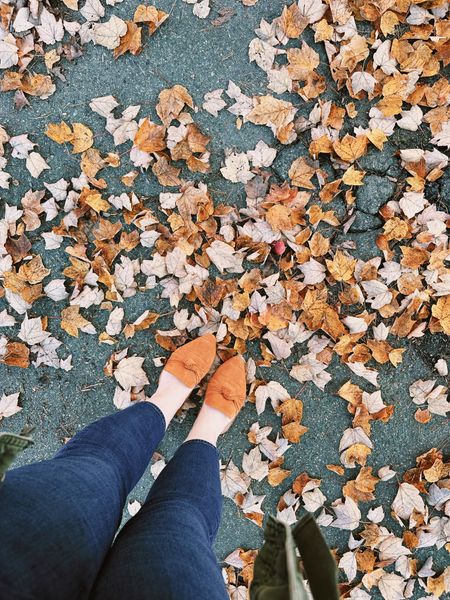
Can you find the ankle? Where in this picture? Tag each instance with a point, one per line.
(205, 436)
(208, 425)
(169, 396)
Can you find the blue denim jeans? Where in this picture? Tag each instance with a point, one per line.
(59, 517)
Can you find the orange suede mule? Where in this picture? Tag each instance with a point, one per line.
(226, 391)
(190, 363)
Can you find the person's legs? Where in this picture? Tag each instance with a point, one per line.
(166, 551)
(58, 517)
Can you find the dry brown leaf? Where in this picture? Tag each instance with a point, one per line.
(72, 320)
(150, 137)
(441, 311)
(350, 148)
(59, 133)
(171, 103)
(82, 139)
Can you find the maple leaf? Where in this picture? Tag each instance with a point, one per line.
(72, 321)
(36, 164)
(31, 331)
(441, 311)
(82, 138)
(312, 10)
(59, 133)
(150, 15)
(443, 137)
(251, 507)
(407, 499)
(292, 21)
(362, 81)
(352, 176)
(301, 172)
(262, 155)
(171, 103)
(150, 137)
(274, 391)
(237, 168)
(131, 42)
(34, 270)
(129, 372)
(225, 257)
(302, 61)
(349, 565)
(103, 105)
(108, 33)
(233, 481)
(313, 271)
(277, 114)
(165, 171)
(341, 267)
(392, 586)
(347, 514)
(350, 148)
(93, 10)
(8, 52)
(213, 102)
(254, 466)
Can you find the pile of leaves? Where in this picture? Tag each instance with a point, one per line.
(34, 31)
(276, 272)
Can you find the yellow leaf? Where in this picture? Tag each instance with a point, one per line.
(377, 137)
(292, 22)
(351, 392)
(59, 132)
(72, 321)
(341, 267)
(353, 177)
(302, 61)
(390, 106)
(388, 23)
(94, 199)
(277, 475)
(278, 216)
(83, 138)
(131, 42)
(293, 432)
(34, 270)
(275, 113)
(441, 310)
(319, 244)
(150, 15)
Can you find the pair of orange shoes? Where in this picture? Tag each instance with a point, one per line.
(226, 389)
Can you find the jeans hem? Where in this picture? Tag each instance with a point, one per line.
(199, 441)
